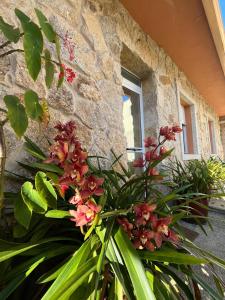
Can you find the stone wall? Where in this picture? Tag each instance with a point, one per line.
(105, 37)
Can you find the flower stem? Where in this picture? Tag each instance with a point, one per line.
(10, 52)
(8, 42)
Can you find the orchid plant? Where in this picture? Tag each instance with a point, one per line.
(84, 232)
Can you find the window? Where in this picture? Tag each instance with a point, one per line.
(212, 137)
(189, 133)
(133, 115)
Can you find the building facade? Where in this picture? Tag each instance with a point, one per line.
(127, 86)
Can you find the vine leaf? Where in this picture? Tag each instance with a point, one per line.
(61, 69)
(45, 189)
(49, 69)
(32, 198)
(32, 105)
(11, 33)
(45, 118)
(16, 114)
(46, 26)
(32, 43)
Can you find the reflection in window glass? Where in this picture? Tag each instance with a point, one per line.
(131, 119)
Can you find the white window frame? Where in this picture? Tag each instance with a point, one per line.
(138, 90)
(190, 101)
(209, 119)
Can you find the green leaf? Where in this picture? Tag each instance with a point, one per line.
(16, 281)
(52, 274)
(32, 52)
(77, 260)
(23, 270)
(32, 43)
(32, 105)
(19, 231)
(45, 189)
(116, 263)
(32, 198)
(11, 33)
(75, 281)
(134, 266)
(42, 166)
(172, 256)
(61, 70)
(57, 214)
(22, 212)
(46, 26)
(182, 285)
(47, 167)
(33, 149)
(49, 69)
(207, 288)
(61, 77)
(45, 253)
(16, 114)
(10, 249)
(94, 224)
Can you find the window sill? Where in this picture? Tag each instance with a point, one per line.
(191, 156)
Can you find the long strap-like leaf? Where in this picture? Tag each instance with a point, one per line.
(134, 266)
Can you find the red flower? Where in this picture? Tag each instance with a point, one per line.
(85, 214)
(172, 236)
(67, 127)
(78, 156)
(68, 72)
(58, 153)
(143, 212)
(151, 155)
(161, 230)
(176, 129)
(142, 239)
(168, 133)
(126, 225)
(62, 189)
(74, 174)
(92, 187)
(69, 46)
(153, 172)
(139, 163)
(150, 142)
(76, 199)
(163, 150)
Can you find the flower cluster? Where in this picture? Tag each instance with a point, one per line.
(155, 149)
(69, 46)
(69, 155)
(68, 73)
(169, 132)
(147, 230)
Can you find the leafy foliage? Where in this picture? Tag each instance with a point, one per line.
(32, 105)
(33, 45)
(16, 114)
(104, 263)
(11, 33)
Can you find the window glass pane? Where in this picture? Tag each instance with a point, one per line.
(132, 156)
(184, 128)
(132, 119)
(212, 137)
